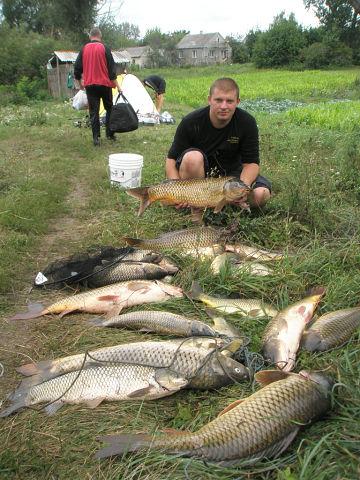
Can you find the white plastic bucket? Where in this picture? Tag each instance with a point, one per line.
(125, 169)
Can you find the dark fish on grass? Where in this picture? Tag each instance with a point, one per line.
(124, 271)
(196, 192)
(95, 384)
(282, 335)
(261, 425)
(108, 300)
(190, 241)
(331, 330)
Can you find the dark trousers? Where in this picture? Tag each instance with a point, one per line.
(95, 93)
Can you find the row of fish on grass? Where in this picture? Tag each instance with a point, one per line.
(226, 439)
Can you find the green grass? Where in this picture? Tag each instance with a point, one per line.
(55, 200)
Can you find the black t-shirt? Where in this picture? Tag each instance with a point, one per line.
(226, 148)
(156, 83)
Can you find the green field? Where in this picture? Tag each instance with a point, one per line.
(56, 200)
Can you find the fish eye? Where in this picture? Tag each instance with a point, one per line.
(237, 370)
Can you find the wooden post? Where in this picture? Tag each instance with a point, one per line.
(58, 75)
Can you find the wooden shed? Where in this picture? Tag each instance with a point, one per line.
(60, 71)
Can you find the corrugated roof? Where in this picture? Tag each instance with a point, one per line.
(121, 56)
(137, 51)
(66, 55)
(200, 40)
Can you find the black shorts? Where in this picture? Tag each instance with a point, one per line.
(259, 182)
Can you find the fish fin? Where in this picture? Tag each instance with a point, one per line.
(14, 407)
(316, 291)
(142, 194)
(230, 407)
(173, 431)
(170, 380)
(134, 242)
(220, 206)
(195, 291)
(169, 289)
(142, 392)
(138, 285)
(265, 377)
(279, 447)
(123, 443)
(18, 398)
(28, 369)
(113, 312)
(35, 310)
(233, 346)
(108, 298)
(95, 402)
(52, 408)
(65, 312)
(255, 312)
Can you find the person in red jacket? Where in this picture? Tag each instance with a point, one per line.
(95, 71)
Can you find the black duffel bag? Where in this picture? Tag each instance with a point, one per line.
(123, 117)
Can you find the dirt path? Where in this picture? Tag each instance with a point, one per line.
(20, 341)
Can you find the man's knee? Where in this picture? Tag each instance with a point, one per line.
(260, 196)
(192, 165)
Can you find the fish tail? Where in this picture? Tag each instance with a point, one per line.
(35, 310)
(134, 242)
(18, 398)
(195, 291)
(39, 368)
(141, 193)
(123, 443)
(97, 322)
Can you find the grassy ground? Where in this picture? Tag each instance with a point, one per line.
(55, 200)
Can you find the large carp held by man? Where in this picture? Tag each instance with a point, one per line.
(195, 192)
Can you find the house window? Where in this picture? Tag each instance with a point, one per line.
(224, 53)
(211, 53)
(181, 54)
(194, 54)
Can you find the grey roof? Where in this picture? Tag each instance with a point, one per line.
(137, 51)
(121, 56)
(200, 40)
(65, 56)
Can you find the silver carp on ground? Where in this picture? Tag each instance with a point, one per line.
(253, 308)
(232, 261)
(282, 335)
(124, 271)
(196, 192)
(94, 384)
(245, 252)
(331, 330)
(198, 359)
(108, 300)
(261, 425)
(158, 321)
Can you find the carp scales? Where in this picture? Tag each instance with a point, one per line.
(331, 330)
(262, 425)
(94, 384)
(158, 321)
(236, 265)
(283, 333)
(124, 271)
(202, 360)
(185, 241)
(245, 252)
(195, 192)
(252, 308)
(108, 300)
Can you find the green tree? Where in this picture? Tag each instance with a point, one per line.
(240, 52)
(281, 44)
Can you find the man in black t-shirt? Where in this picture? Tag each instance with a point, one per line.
(157, 84)
(220, 140)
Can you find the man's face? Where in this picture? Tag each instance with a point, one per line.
(222, 106)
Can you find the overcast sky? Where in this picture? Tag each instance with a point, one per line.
(228, 17)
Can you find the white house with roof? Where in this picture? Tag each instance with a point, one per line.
(203, 49)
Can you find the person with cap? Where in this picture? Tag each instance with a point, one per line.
(157, 84)
(95, 71)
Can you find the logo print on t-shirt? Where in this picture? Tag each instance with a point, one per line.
(233, 140)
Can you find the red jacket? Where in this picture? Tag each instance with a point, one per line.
(96, 65)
